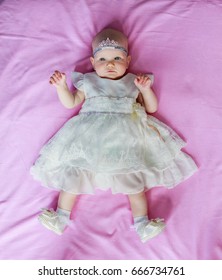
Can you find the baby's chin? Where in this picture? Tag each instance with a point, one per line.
(111, 75)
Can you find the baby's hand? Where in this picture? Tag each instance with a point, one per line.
(58, 79)
(143, 82)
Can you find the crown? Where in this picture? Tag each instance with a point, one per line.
(109, 44)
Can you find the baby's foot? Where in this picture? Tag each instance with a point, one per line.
(52, 221)
(150, 229)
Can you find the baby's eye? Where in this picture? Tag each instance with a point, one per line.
(117, 58)
(102, 59)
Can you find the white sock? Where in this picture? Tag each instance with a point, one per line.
(64, 214)
(138, 221)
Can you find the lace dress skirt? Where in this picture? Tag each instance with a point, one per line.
(113, 144)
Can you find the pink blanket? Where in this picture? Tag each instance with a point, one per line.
(178, 41)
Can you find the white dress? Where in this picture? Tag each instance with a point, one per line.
(112, 144)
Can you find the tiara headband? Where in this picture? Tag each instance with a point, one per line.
(109, 44)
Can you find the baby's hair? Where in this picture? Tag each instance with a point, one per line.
(112, 34)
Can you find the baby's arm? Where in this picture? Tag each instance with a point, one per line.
(67, 98)
(149, 99)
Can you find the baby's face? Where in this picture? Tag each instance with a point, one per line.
(111, 64)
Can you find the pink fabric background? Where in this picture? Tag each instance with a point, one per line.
(181, 43)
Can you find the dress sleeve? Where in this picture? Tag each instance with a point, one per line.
(78, 80)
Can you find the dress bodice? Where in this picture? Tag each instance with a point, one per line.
(106, 95)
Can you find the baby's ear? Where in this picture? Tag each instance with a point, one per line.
(128, 60)
(92, 61)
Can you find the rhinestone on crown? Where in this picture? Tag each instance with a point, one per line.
(109, 44)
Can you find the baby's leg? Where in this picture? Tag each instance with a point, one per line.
(66, 201)
(58, 220)
(145, 228)
(138, 203)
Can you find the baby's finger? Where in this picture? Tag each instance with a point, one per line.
(146, 79)
(143, 78)
(138, 78)
(58, 74)
(57, 77)
(52, 80)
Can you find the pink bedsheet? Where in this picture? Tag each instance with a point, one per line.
(180, 42)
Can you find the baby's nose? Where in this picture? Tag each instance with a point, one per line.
(110, 63)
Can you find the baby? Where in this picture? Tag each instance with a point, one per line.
(112, 143)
